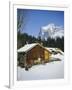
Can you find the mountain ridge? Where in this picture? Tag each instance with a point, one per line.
(52, 31)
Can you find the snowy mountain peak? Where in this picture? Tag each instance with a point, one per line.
(48, 27)
(51, 30)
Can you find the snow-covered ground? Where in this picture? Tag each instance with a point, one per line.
(51, 70)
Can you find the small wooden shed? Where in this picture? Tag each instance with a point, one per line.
(33, 53)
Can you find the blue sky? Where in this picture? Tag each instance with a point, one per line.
(34, 19)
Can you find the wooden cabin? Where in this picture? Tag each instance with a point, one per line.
(33, 53)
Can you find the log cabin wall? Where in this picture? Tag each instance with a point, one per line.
(35, 53)
(47, 55)
(38, 52)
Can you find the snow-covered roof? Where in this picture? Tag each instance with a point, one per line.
(27, 47)
(54, 49)
(50, 49)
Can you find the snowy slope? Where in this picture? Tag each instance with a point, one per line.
(59, 33)
(52, 70)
